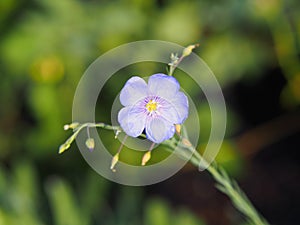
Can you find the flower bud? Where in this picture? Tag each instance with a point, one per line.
(71, 126)
(178, 129)
(63, 147)
(90, 144)
(188, 50)
(146, 158)
(114, 161)
(117, 133)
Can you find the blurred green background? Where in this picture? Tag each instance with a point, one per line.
(45, 46)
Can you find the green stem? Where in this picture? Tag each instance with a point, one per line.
(175, 61)
(229, 187)
(76, 130)
(224, 183)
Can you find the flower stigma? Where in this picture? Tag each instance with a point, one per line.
(151, 106)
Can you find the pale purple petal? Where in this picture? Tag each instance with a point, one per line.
(132, 120)
(134, 90)
(175, 111)
(163, 86)
(181, 104)
(172, 107)
(159, 130)
(169, 112)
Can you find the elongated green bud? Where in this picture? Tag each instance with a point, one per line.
(71, 126)
(114, 161)
(146, 158)
(63, 147)
(188, 50)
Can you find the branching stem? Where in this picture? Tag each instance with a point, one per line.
(224, 183)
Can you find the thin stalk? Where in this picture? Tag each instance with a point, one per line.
(230, 187)
(224, 183)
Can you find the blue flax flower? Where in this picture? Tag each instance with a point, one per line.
(154, 107)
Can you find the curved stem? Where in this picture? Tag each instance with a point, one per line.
(229, 187)
(224, 183)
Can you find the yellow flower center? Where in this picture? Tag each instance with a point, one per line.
(151, 106)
